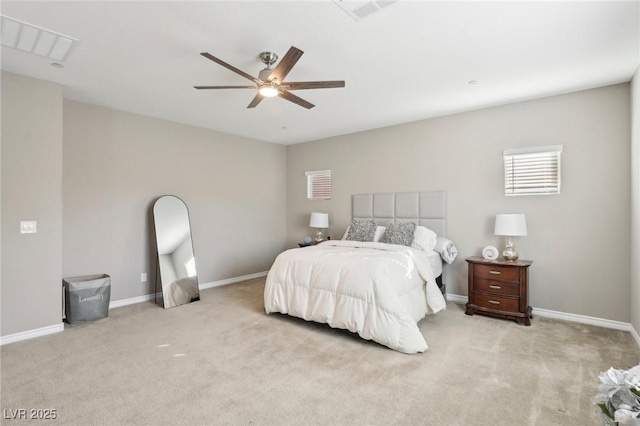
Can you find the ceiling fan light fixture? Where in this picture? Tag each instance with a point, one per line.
(268, 90)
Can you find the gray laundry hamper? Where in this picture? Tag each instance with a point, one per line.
(86, 298)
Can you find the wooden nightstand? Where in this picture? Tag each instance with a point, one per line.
(499, 288)
(312, 243)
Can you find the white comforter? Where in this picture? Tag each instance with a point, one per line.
(376, 290)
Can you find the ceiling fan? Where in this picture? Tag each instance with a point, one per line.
(270, 82)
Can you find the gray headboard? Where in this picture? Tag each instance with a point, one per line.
(428, 208)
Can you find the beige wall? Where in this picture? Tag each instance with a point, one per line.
(635, 201)
(578, 240)
(115, 166)
(109, 167)
(31, 190)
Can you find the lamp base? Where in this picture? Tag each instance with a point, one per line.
(319, 237)
(510, 252)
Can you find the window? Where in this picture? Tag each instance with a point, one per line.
(532, 170)
(190, 266)
(319, 185)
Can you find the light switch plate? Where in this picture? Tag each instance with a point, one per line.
(143, 277)
(28, 227)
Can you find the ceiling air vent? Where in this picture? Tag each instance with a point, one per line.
(32, 39)
(359, 9)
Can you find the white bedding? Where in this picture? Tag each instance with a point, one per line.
(435, 260)
(376, 290)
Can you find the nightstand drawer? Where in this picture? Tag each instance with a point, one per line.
(498, 303)
(496, 272)
(497, 287)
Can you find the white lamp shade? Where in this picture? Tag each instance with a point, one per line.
(512, 225)
(319, 220)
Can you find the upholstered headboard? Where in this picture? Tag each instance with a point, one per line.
(428, 208)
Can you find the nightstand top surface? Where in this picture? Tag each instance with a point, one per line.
(501, 262)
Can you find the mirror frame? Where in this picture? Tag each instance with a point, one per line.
(184, 289)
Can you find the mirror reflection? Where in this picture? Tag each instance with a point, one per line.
(176, 261)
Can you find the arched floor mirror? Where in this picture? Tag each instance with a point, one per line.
(176, 273)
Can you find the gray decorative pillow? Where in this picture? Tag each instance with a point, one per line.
(399, 233)
(361, 230)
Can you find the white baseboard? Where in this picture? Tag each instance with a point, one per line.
(201, 286)
(132, 301)
(635, 335)
(219, 283)
(455, 298)
(30, 334)
(583, 319)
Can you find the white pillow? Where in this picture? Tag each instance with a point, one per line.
(424, 239)
(448, 251)
(379, 232)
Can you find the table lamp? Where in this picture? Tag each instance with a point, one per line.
(319, 221)
(510, 225)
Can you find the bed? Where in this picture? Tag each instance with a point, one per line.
(378, 286)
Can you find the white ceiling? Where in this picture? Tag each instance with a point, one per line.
(410, 61)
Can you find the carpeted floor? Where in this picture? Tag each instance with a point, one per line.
(223, 361)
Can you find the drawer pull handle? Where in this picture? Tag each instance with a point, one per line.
(494, 272)
(494, 302)
(496, 287)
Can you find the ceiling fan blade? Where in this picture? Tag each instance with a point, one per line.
(230, 67)
(295, 99)
(224, 87)
(286, 63)
(254, 103)
(301, 85)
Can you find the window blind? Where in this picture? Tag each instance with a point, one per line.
(532, 170)
(319, 185)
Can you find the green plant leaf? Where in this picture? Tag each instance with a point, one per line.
(603, 408)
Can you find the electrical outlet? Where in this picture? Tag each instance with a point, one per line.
(143, 277)
(28, 227)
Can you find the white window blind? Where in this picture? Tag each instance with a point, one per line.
(532, 170)
(319, 185)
